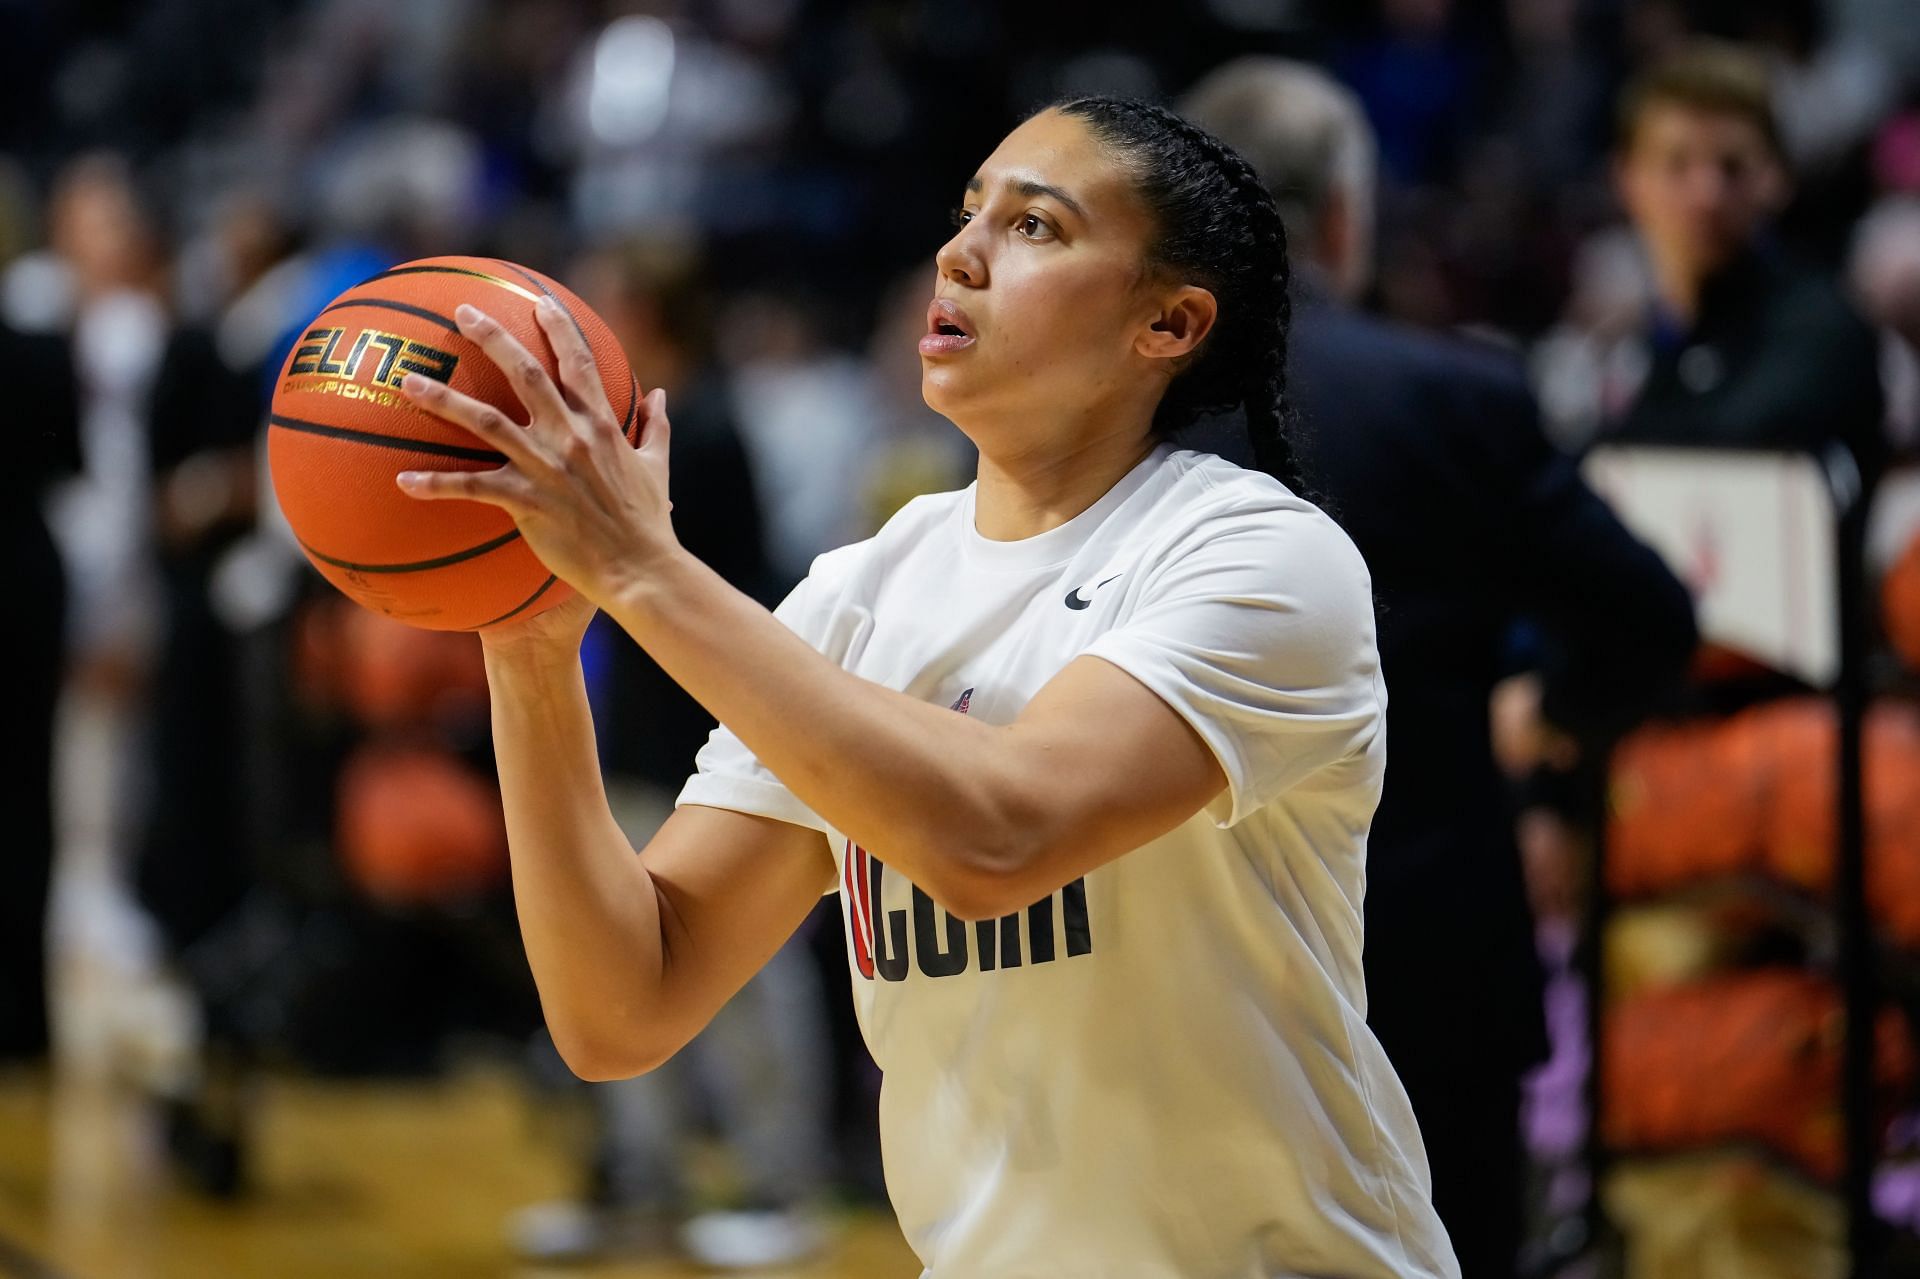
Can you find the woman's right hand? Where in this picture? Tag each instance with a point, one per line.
(552, 635)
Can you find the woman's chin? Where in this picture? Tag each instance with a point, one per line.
(944, 389)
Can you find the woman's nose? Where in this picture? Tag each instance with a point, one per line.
(958, 262)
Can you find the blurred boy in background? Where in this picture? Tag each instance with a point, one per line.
(1746, 347)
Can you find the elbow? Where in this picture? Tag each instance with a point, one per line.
(971, 901)
(1013, 832)
(599, 1059)
(985, 879)
(605, 1070)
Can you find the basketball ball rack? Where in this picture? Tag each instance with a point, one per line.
(1847, 680)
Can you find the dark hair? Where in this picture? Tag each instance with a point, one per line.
(1714, 76)
(1215, 225)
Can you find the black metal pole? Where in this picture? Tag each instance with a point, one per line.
(1854, 928)
(1590, 960)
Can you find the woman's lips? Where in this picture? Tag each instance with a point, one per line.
(949, 328)
(944, 343)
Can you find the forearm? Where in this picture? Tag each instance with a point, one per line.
(935, 793)
(588, 911)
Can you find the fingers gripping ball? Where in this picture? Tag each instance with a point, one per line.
(340, 431)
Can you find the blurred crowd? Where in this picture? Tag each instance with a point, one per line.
(750, 192)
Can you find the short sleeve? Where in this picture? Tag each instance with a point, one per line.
(1257, 628)
(727, 774)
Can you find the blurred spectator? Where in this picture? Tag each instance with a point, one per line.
(102, 281)
(760, 1065)
(1746, 347)
(653, 109)
(1831, 81)
(205, 415)
(99, 282)
(1557, 94)
(1588, 367)
(1429, 454)
(1884, 273)
(806, 410)
(37, 370)
(655, 297)
(1417, 75)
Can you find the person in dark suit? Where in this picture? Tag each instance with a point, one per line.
(44, 444)
(1429, 453)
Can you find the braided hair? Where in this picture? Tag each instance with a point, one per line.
(1217, 226)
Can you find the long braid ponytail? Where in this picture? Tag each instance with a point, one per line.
(1218, 227)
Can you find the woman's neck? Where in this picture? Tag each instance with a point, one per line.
(1024, 495)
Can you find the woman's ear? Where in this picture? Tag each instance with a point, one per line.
(1184, 319)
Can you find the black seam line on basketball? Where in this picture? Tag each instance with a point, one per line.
(541, 285)
(378, 440)
(633, 383)
(523, 604)
(390, 305)
(508, 285)
(419, 566)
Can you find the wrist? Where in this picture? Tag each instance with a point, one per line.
(519, 657)
(649, 597)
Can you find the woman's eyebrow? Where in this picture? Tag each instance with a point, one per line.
(1032, 187)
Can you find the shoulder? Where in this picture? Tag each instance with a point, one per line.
(1242, 530)
(1210, 492)
(1359, 381)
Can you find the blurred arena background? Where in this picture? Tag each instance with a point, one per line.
(290, 1029)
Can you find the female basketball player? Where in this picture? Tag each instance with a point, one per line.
(1090, 750)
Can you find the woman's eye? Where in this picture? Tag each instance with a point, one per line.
(960, 217)
(1033, 228)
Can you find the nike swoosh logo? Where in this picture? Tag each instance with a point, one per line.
(1076, 600)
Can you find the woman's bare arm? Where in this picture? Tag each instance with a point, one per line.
(986, 818)
(632, 955)
(981, 817)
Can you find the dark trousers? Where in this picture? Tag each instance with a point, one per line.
(1471, 1125)
(26, 797)
(191, 868)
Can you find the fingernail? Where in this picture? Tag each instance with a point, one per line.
(548, 305)
(467, 314)
(408, 479)
(413, 384)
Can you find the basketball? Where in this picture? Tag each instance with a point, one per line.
(1900, 605)
(414, 825)
(340, 430)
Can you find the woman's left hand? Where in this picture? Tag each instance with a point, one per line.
(592, 507)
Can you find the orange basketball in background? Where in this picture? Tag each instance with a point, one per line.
(1737, 1057)
(1684, 804)
(416, 826)
(340, 431)
(1900, 605)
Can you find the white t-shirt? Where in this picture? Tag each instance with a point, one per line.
(1163, 1069)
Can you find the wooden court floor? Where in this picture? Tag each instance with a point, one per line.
(407, 1181)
